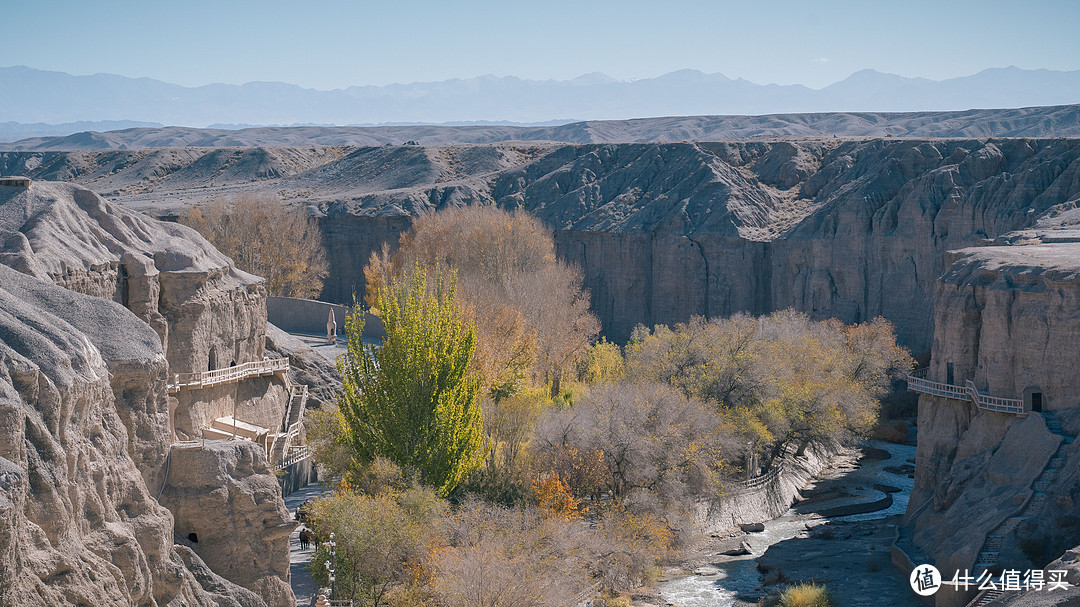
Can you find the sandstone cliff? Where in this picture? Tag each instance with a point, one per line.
(1006, 320)
(206, 311)
(77, 523)
(209, 314)
(227, 504)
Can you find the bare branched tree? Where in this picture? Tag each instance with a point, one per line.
(265, 237)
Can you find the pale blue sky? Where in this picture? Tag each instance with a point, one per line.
(336, 44)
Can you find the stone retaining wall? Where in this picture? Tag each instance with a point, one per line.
(772, 499)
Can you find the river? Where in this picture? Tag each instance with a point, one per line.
(739, 575)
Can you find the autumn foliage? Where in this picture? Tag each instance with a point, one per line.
(265, 237)
(530, 309)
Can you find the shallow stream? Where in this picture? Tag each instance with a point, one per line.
(739, 575)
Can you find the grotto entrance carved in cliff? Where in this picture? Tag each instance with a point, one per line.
(1033, 399)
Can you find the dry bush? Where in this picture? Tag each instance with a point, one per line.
(650, 437)
(510, 557)
(628, 547)
(805, 595)
(263, 236)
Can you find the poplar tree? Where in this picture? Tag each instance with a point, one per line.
(414, 400)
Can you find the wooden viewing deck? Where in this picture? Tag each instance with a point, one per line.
(917, 382)
(227, 375)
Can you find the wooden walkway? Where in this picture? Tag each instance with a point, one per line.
(228, 375)
(917, 382)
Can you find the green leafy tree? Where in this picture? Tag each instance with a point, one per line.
(414, 399)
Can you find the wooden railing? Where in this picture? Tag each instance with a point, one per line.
(227, 375)
(299, 454)
(917, 382)
(765, 479)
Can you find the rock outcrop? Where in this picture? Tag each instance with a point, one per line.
(207, 312)
(78, 524)
(1005, 320)
(227, 504)
(178, 291)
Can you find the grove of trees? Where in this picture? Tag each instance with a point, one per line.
(523, 462)
(266, 238)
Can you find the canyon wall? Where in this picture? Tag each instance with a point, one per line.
(1007, 318)
(78, 524)
(143, 300)
(851, 230)
(846, 228)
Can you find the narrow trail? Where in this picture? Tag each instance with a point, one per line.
(302, 585)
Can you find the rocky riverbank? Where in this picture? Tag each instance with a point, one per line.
(849, 553)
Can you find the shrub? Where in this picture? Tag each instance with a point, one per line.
(554, 497)
(378, 539)
(805, 595)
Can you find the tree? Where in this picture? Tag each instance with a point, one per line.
(510, 557)
(531, 312)
(379, 538)
(778, 380)
(648, 436)
(263, 236)
(415, 398)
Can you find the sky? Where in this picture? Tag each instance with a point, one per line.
(336, 44)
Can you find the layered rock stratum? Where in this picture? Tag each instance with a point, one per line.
(78, 525)
(846, 228)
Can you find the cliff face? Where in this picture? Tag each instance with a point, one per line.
(1005, 319)
(180, 291)
(228, 506)
(200, 305)
(77, 524)
(852, 229)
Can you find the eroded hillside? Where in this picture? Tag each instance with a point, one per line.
(851, 229)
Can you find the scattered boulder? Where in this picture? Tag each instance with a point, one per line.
(741, 550)
(875, 453)
(752, 527)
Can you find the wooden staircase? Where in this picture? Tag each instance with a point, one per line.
(290, 425)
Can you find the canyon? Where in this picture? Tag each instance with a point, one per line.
(968, 246)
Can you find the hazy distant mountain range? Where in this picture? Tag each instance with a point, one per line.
(30, 95)
(1037, 122)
